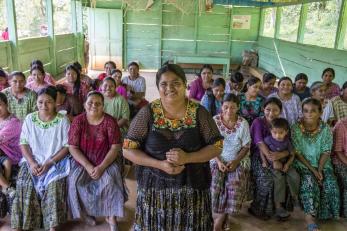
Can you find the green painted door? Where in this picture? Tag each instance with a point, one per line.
(105, 36)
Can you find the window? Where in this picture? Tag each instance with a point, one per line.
(321, 23)
(31, 18)
(269, 22)
(3, 21)
(290, 23)
(62, 16)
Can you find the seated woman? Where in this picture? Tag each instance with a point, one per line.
(84, 78)
(3, 80)
(339, 159)
(121, 89)
(41, 184)
(251, 103)
(268, 85)
(21, 100)
(332, 89)
(212, 100)
(231, 170)
(95, 185)
(136, 86)
(108, 67)
(262, 205)
(317, 90)
(10, 154)
(340, 103)
(38, 74)
(291, 102)
(312, 141)
(235, 84)
(198, 87)
(74, 85)
(48, 78)
(115, 105)
(68, 105)
(300, 88)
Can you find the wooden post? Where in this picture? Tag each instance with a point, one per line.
(196, 26)
(302, 23)
(278, 22)
(341, 27)
(12, 30)
(74, 28)
(79, 32)
(161, 34)
(261, 22)
(51, 35)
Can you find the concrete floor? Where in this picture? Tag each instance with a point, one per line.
(243, 222)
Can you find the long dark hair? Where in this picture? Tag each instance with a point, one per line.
(77, 84)
(211, 98)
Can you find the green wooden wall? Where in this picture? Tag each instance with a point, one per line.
(55, 51)
(163, 32)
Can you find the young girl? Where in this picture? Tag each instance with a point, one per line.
(108, 67)
(120, 88)
(291, 102)
(38, 75)
(73, 83)
(312, 141)
(67, 104)
(230, 170)
(300, 88)
(251, 102)
(47, 77)
(3, 80)
(332, 89)
(235, 84)
(84, 78)
(318, 92)
(283, 173)
(212, 100)
(115, 104)
(268, 85)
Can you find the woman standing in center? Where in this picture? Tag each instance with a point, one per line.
(171, 141)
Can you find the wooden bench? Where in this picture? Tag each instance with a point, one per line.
(225, 61)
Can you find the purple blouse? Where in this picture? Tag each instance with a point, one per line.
(259, 130)
(10, 130)
(196, 89)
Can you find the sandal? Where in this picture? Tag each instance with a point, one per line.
(312, 227)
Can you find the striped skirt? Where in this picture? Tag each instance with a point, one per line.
(171, 209)
(103, 197)
(229, 190)
(341, 174)
(29, 211)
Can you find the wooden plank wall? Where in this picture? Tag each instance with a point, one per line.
(65, 51)
(5, 57)
(157, 35)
